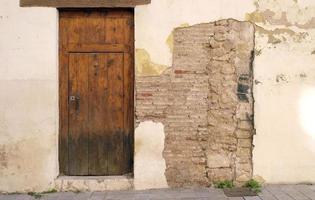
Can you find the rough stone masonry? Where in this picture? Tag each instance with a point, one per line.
(205, 102)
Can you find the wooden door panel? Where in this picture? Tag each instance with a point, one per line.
(96, 26)
(99, 27)
(114, 30)
(78, 110)
(128, 108)
(106, 114)
(98, 142)
(115, 117)
(96, 68)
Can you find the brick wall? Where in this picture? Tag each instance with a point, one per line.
(205, 103)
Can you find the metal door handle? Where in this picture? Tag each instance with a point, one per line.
(72, 98)
(76, 100)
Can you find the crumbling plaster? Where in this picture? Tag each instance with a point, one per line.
(283, 71)
(154, 28)
(283, 74)
(205, 103)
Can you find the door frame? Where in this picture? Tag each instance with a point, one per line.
(63, 125)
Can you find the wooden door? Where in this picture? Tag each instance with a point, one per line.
(96, 92)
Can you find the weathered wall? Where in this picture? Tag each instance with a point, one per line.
(283, 73)
(205, 102)
(28, 98)
(284, 92)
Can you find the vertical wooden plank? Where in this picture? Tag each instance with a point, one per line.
(115, 114)
(128, 113)
(78, 114)
(98, 138)
(63, 100)
(75, 29)
(114, 30)
(128, 32)
(94, 32)
(130, 73)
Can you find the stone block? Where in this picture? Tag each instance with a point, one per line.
(218, 160)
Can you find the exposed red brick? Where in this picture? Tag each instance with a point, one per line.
(200, 106)
(178, 71)
(146, 94)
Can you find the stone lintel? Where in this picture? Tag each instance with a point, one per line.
(83, 3)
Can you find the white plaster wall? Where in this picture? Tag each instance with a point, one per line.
(149, 164)
(284, 145)
(28, 97)
(285, 109)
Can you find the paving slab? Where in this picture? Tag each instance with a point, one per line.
(266, 195)
(269, 192)
(278, 193)
(16, 197)
(307, 191)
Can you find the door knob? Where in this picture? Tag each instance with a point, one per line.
(76, 101)
(72, 98)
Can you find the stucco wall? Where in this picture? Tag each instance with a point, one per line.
(284, 71)
(284, 91)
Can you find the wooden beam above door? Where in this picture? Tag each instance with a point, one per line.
(83, 3)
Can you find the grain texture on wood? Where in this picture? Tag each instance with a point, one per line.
(96, 92)
(98, 140)
(78, 114)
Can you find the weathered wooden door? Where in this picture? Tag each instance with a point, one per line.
(96, 92)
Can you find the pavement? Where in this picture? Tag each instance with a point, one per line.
(269, 192)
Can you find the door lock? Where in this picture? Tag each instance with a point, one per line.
(76, 101)
(72, 98)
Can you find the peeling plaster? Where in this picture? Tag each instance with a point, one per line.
(170, 38)
(281, 78)
(153, 31)
(285, 39)
(180, 100)
(144, 65)
(283, 12)
(279, 35)
(275, 20)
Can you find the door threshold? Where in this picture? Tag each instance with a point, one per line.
(93, 183)
(64, 177)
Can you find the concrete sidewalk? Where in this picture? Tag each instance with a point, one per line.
(270, 192)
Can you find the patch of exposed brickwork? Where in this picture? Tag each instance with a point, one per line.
(205, 103)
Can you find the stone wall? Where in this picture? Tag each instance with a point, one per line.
(205, 103)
